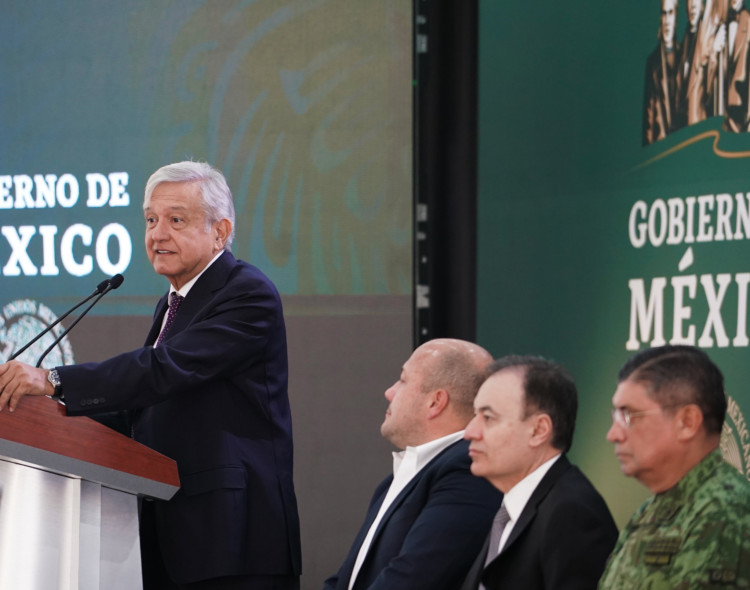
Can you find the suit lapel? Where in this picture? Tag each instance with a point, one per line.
(474, 575)
(529, 512)
(161, 309)
(213, 278)
(375, 504)
(375, 508)
(408, 489)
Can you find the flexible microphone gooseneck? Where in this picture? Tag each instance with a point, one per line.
(99, 288)
(106, 286)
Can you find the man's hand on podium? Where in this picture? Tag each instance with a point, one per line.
(18, 379)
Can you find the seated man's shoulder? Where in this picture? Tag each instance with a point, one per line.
(723, 497)
(453, 457)
(574, 496)
(450, 473)
(574, 479)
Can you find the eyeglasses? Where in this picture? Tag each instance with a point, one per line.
(623, 416)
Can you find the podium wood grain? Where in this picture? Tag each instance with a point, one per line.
(39, 433)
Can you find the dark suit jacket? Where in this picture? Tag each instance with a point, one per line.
(431, 533)
(561, 540)
(212, 396)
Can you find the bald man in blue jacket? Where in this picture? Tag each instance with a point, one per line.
(426, 522)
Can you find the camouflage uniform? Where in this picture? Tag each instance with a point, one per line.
(695, 535)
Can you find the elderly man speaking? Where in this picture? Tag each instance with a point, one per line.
(209, 389)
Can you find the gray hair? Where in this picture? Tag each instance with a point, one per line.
(213, 189)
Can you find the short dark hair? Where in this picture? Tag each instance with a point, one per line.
(678, 375)
(549, 389)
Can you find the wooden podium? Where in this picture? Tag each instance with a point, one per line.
(69, 489)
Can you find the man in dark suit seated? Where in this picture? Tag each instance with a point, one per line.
(208, 389)
(426, 522)
(553, 530)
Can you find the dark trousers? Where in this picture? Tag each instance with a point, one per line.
(155, 575)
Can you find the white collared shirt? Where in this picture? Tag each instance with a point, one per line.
(518, 496)
(406, 464)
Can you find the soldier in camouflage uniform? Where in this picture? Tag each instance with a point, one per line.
(694, 532)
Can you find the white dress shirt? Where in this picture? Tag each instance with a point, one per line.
(518, 496)
(406, 464)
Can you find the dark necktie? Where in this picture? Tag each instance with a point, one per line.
(175, 299)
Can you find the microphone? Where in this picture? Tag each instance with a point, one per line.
(99, 288)
(114, 282)
(109, 285)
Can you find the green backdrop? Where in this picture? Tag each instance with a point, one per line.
(306, 105)
(581, 241)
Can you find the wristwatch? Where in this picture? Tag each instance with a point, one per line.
(54, 378)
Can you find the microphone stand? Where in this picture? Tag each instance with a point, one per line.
(111, 284)
(99, 288)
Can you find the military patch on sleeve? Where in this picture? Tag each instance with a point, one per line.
(722, 576)
(661, 550)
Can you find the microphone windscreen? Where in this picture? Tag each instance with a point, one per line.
(102, 286)
(116, 281)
